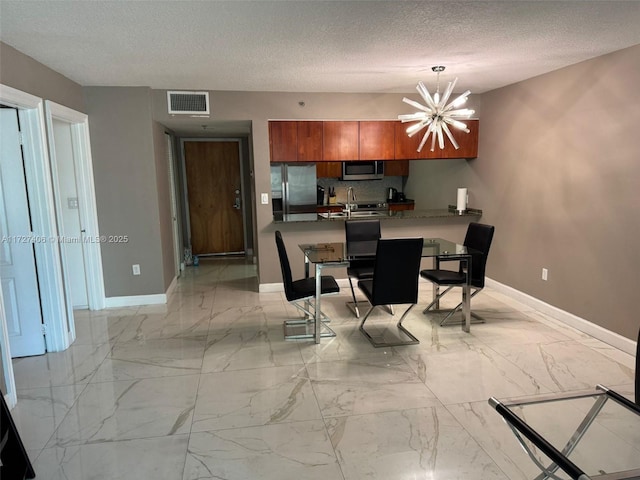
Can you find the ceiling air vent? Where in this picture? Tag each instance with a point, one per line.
(189, 103)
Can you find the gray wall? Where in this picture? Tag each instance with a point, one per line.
(127, 192)
(559, 176)
(24, 73)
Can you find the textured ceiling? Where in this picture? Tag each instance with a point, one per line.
(313, 46)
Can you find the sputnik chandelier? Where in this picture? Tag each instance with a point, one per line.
(437, 115)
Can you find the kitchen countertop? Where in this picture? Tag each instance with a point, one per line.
(400, 215)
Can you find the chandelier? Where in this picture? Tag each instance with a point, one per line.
(437, 114)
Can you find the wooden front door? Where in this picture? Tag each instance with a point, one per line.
(214, 194)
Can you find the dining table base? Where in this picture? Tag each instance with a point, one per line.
(297, 330)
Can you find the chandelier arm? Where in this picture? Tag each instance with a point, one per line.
(416, 127)
(448, 91)
(457, 124)
(440, 136)
(461, 112)
(433, 141)
(412, 117)
(424, 93)
(445, 127)
(417, 105)
(459, 100)
(424, 140)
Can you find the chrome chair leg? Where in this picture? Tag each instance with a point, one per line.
(412, 339)
(444, 322)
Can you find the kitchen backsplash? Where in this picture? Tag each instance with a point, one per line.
(366, 190)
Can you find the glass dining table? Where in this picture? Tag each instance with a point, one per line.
(336, 254)
(591, 435)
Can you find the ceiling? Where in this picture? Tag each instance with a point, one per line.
(313, 46)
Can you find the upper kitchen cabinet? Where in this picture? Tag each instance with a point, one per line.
(407, 147)
(377, 140)
(283, 141)
(309, 141)
(328, 169)
(295, 141)
(340, 141)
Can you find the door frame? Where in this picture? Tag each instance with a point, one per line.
(87, 209)
(173, 192)
(185, 190)
(43, 216)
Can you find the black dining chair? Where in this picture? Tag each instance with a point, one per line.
(300, 293)
(394, 282)
(478, 238)
(363, 232)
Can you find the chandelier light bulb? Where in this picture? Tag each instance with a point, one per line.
(436, 115)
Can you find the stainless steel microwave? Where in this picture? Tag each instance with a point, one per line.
(363, 170)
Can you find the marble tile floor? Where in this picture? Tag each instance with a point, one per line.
(206, 387)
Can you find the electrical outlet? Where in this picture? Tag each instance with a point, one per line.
(545, 274)
(136, 269)
(264, 198)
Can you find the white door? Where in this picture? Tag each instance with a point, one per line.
(66, 192)
(17, 262)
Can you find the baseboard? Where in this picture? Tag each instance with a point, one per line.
(596, 331)
(135, 300)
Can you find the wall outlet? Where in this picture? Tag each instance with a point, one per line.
(136, 269)
(264, 198)
(545, 274)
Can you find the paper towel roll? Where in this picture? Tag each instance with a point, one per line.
(461, 205)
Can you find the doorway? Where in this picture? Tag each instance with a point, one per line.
(213, 191)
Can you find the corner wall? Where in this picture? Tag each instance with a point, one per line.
(127, 193)
(558, 175)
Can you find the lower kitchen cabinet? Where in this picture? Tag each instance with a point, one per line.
(398, 207)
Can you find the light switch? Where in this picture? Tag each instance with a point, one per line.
(264, 198)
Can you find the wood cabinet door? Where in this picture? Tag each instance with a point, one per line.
(309, 141)
(377, 140)
(407, 148)
(396, 168)
(328, 169)
(283, 141)
(340, 141)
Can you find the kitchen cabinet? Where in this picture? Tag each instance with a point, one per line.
(328, 169)
(295, 141)
(283, 141)
(376, 140)
(406, 147)
(396, 168)
(398, 207)
(340, 140)
(309, 141)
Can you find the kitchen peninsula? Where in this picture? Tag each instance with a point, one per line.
(435, 213)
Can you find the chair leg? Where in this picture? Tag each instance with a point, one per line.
(309, 314)
(444, 322)
(413, 340)
(353, 306)
(436, 300)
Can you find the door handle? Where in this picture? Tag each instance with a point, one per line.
(237, 204)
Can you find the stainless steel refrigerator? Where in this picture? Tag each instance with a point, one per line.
(295, 185)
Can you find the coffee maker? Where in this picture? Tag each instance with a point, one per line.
(320, 199)
(392, 194)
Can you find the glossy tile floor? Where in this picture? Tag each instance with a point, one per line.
(206, 387)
